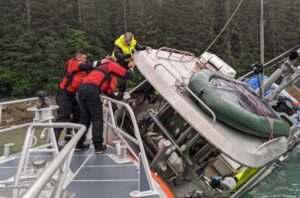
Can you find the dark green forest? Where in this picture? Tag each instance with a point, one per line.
(37, 36)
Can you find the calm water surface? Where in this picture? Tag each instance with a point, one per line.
(283, 183)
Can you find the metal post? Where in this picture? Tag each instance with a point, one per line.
(142, 155)
(59, 162)
(1, 107)
(161, 153)
(125, 15)
(262, 34)
(79, 13)
(262, 47)
(28, 11)
(6, 151)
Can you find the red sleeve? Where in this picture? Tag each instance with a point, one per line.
(117, 69)
(73, 66)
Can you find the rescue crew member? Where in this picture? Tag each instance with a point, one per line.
(75, 70)
(102, 79)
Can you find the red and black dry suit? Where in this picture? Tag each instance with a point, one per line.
(103, 79)
(69, 110)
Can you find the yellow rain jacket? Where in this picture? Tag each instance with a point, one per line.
(127, 50)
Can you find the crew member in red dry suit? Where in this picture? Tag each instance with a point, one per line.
(75, 70)
(102, 79)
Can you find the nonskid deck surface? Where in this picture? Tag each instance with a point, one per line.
(96, 175)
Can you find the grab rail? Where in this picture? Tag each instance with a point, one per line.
(59, 163)
(171, 51)
(214, 117)
(5, 103)
(144, 190)
(163, 66)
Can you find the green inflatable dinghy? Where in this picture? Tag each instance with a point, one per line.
(237, 106)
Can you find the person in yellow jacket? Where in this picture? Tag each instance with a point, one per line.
(124, 47)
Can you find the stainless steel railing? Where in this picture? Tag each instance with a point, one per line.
(6, 147)
(6, 103)
(180, 83)
(59, 165)
(171, 52)
(144, 190)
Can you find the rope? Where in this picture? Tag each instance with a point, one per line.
(226, 25)
(271, 124)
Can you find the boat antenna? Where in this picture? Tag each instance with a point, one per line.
(262, 48)
(262, 33)
(226, 25)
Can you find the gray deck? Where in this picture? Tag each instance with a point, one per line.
(96, 175)
(99, 176)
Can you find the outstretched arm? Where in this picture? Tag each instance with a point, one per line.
(119, 54)
(139, 47)
(118, 70)
(85, 66)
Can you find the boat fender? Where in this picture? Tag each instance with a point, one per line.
(228, 184)
(243, 176)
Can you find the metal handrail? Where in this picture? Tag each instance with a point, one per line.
(20, 126)
(171, 51)
(12, 128)
(58, 162)
(14, 102)
(173, 75)
(214, 117)
(18, 101)
(142, 154)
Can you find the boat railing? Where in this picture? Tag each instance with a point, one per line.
(59, 167)
(145, 183)
(6, 147)
(177, 80)
(180, 83)
(171, 57)
(211, 112)
(11, 102)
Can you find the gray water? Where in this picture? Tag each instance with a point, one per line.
(283, 183)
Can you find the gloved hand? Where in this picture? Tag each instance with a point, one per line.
(95, 64)
(126, 95)
(128, 56)
(131, 64)
(148, 49)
